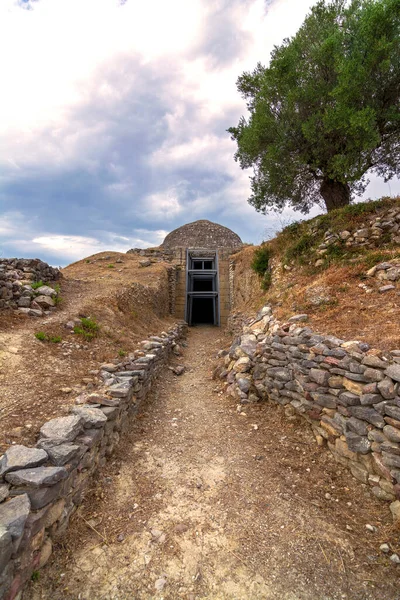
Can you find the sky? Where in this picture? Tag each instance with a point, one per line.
(113, 119)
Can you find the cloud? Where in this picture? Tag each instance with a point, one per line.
(114, 117)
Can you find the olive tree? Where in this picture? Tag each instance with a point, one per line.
(326, 111)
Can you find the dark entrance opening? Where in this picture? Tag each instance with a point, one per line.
(202, 285)
(203, 311)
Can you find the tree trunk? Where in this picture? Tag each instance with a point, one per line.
(335, 194)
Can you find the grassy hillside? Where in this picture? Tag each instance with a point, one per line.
(313, 269)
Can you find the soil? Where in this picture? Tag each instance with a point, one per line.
(128, 303)
(348, 311)
(209, 500)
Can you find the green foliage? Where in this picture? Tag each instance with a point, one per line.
(40, 335)
(35, 576)
(261, 258)
(299, 248)
(57, 288)
(121, 353)
(326, 110)
(37, 284)
(43, 337)
(88, 328)
(266, 281)
(110, 266)
(260, 264)
(57, 300)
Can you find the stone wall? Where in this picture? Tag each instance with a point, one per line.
(348, 392)
(16, 277)
(378, 229)
(41, 487)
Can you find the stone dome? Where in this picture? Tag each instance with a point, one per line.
(202, 234)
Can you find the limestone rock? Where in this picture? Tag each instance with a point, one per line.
(395, 510)
(393, 372)
(46, 290)
(91, 417)
(13, 515)
(37, 477)
(21, 457)
(63, 428)
(6, 547)
(64, 453)
(358, 443)
(44, 301)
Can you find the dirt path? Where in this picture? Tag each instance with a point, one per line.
(207, 500)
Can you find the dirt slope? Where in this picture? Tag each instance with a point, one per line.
(128, 303)
(207, 502)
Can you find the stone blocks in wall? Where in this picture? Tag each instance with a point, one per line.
(348, 393)
(40, 488)
(16, 275)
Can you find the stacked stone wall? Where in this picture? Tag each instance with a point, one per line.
(348, 393)
(378, 229)
(41, 487)
(16, 277)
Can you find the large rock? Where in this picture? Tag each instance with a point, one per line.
(13, 515)
(367, 414)
(242, 365)
(24, 302)
(44, 302)
(358, 443)
(319, 376)
(20, 457)
(63, 428)
(91, 417)
(393, 372)
(393, 411)
(386, 388)
(45, 290)
(37, 477)
(392, 433)
(63, 453)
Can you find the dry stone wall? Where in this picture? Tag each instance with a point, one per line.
(377, 230)
(348, 392)
(41, 487)
(16, 277)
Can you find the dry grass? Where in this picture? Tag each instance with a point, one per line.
(128, 302)
(345, 309)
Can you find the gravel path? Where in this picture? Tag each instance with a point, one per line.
(207, 500)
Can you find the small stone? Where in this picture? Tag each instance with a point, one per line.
(395, 510)
(384, 548)
(66, 390)
(298, 318)
(386, 288)
(120, 537)
(371, 528)
(160, 584)
(395, 559)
